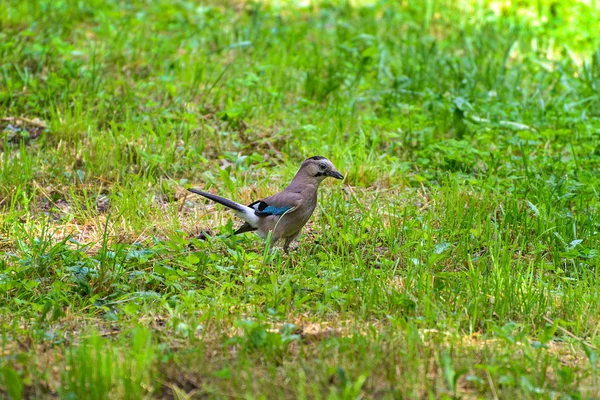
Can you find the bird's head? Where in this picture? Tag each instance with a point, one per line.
(320, 168)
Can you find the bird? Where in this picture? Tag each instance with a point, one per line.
(284, 214)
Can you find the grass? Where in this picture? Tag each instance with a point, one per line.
(458, 259)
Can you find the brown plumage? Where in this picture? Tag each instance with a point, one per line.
(285, 213)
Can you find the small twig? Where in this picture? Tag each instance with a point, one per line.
(566, 332)
(185, 196)
(34, 122)
(44, 193)
(491, 382)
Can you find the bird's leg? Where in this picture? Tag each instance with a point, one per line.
(273, 241)
(286, 246)
(288, 241)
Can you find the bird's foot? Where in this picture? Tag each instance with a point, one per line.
(204, 235)
(290, 249)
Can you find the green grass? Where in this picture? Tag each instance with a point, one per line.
(459, 258)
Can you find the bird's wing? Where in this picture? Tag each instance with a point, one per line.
(279, 204)
(246, 227)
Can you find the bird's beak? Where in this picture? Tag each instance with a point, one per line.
(336, 175)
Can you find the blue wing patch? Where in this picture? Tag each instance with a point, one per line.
(262, 209)
(271, 210)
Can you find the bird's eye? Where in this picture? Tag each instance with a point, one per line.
(322, 167)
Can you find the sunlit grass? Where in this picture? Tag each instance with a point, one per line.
(458, 258)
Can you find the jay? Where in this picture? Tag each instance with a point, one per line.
(285, 213)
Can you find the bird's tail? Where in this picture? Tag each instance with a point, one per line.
(244, 212)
